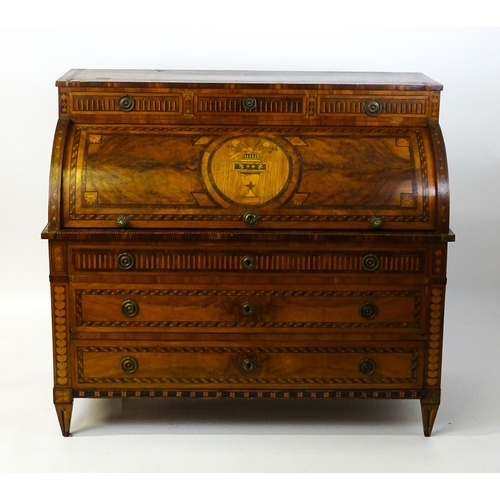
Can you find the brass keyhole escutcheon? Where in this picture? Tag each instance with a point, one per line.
(248, 262)
(125, 261)
(248, 309)
(129, 364)
(370, 262)
(130, 308)
(249, 365)
(122, 221)
(368, 310)
(376, 222)
(367, 366)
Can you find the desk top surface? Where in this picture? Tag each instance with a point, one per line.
(230, 78)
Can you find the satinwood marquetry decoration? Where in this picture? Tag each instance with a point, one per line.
(248, 235)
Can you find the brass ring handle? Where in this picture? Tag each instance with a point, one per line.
(130, 308)
(129, 364)
(248, 309)
(125, 261)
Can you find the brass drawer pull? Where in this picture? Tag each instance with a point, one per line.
(126, 103)
(368, 310)
(130, 308)
(248, 262)
(251, 219)
(249, 103)
(125, 261)
(367, 366)
(373, 107)
(248, 309)
(129, 364)
(249, 365)
(370, 262)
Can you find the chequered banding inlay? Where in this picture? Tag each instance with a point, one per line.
(306, 394)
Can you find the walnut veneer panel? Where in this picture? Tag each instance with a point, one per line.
(206, 178)
(248, 234)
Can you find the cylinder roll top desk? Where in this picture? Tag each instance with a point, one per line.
(235, 234)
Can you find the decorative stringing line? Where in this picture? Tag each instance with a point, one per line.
(56, 173)
(239, 324)
(213, 394)
(247, 380)
(424, 173)
(250, 350)
(442, 167)
(72, 172)
(237, 218)
(435, 106)
(264, 381)
(215, 130)
(208, 233)
(251, 293)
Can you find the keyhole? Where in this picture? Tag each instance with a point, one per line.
(249, 365)
(248, 309)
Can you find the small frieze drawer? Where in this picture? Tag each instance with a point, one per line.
(88, 259)
(82, 103)
(386, 365)
(184, 308)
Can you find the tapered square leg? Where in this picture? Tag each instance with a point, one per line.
(64, 411)
(429, 412)
(430, 405)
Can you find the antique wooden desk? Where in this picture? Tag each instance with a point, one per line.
(247, 234)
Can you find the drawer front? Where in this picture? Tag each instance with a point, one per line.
(88, 259)
(239, 309)
(334, 366)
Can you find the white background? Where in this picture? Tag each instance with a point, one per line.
(235, 436)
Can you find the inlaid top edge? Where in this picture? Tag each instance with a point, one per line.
(312, 79)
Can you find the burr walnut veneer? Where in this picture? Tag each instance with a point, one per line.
(247, 234)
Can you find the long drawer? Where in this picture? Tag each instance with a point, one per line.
(147, 259)
(186, 307)
(169, 366)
